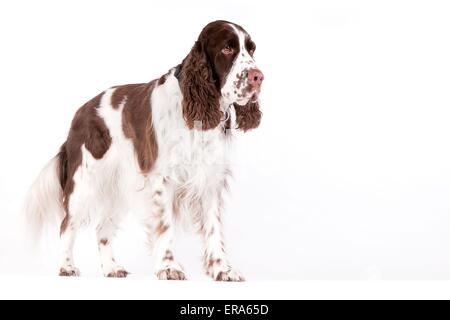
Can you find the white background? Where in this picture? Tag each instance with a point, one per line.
(348, 177)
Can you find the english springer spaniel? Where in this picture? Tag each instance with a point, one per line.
(159, 149)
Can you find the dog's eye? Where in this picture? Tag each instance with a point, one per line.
(227, 50)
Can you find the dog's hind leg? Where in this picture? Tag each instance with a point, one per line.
(68, 233)
(77, 206)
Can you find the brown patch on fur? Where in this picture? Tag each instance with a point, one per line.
(162, 80)
(212, 262)
(64, 224)
(168, 256)
(171, 274)
(161, 228)
(119, 96)
(104, 242)
(88, 129)
(66, 273)
(225, 276)
(137, 122)
(248, 117)
(240, 80)
(118, 274)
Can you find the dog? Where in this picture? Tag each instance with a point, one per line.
(159, 149)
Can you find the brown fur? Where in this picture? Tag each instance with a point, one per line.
(163, 79)
(64, 224)
(248, 117)
(64, 273)
(161, 228)
(88, 129)
(200, 94)
(168, 256)
(137, 121)
(170, 274)
(118, 274)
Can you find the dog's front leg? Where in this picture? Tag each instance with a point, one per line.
(161, 231)
(216, 261)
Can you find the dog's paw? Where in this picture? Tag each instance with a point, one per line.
(220, 270)
(111, 270)
(170, 274)
(119, 273)
(69, 272)
(229, 276)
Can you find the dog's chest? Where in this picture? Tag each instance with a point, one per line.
(186, 155)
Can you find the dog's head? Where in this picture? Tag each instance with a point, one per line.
(220, 71)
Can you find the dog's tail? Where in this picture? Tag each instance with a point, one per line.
(44, 201)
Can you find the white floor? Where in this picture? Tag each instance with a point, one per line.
(52, 287)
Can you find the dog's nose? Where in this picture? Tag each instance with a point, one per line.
(255, 78)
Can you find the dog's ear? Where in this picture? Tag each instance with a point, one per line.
(201, 106)
(248, 117)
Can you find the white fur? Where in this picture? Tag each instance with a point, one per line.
(43, 203)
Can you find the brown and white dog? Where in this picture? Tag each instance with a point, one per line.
(159, 149)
